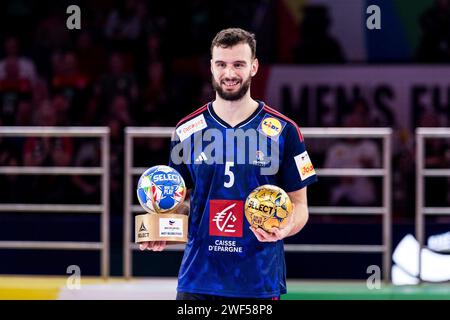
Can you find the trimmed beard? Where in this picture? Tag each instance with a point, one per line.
(232, 96)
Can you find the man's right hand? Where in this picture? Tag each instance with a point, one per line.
(153, 245)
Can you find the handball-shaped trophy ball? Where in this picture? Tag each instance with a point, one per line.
(268, 206)
(161, 189)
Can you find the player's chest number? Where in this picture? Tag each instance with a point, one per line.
(230, 174)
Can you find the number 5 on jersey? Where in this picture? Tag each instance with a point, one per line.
(230, 174)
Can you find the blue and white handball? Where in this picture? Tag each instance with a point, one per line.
(161, 189)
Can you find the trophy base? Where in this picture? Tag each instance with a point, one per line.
(169, 227)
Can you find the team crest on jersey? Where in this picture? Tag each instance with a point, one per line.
(271, 126)
(226, 218)
(261, 160)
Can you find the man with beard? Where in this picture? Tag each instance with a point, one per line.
(225, 257)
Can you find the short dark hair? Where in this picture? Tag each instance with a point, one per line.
(232, 36)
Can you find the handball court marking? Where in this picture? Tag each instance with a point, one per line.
(117, 288)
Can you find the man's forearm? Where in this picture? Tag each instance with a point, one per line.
(301, 215)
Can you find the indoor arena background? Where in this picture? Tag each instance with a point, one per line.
(134, 68)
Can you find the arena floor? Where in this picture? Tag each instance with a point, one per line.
(44, 288)
(340, 290)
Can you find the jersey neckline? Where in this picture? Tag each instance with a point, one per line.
(240, 124)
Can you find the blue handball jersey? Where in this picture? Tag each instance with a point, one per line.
(222, 165)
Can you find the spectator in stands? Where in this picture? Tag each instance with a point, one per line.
(156, 146)
(13, 89)
(435, 41)
(116, 82)
(48, 151)
(116, 163)
(437, 156)
(26, 67)
(124, 23)
(403, 175)
(120, 111)
(24, 113)
(87, 188)
(41, 91)
(359, 113)
(10, 155)
(154, 95)
(61, 107)
(91, 56)
(69, 81)
(50, 35)
(118, 118)
(149, 53)
(353, 153)
(316, 45)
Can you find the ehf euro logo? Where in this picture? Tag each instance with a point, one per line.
(226, 218)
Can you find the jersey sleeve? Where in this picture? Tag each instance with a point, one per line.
(296, 170)
(179, 158)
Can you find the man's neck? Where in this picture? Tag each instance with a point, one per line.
(234, 112)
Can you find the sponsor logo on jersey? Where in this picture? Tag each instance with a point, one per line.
(304, 166)
(226, 218)
(187, 129)
(271, 127)
(202, 157)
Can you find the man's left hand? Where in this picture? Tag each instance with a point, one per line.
(275, 234)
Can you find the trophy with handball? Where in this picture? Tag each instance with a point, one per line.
(161, 192)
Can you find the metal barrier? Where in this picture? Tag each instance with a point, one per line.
(102, 208)
(129, 172)
(421, 173)
(385, 210)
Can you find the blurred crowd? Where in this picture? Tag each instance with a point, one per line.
(133, 63)
(142, 63)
